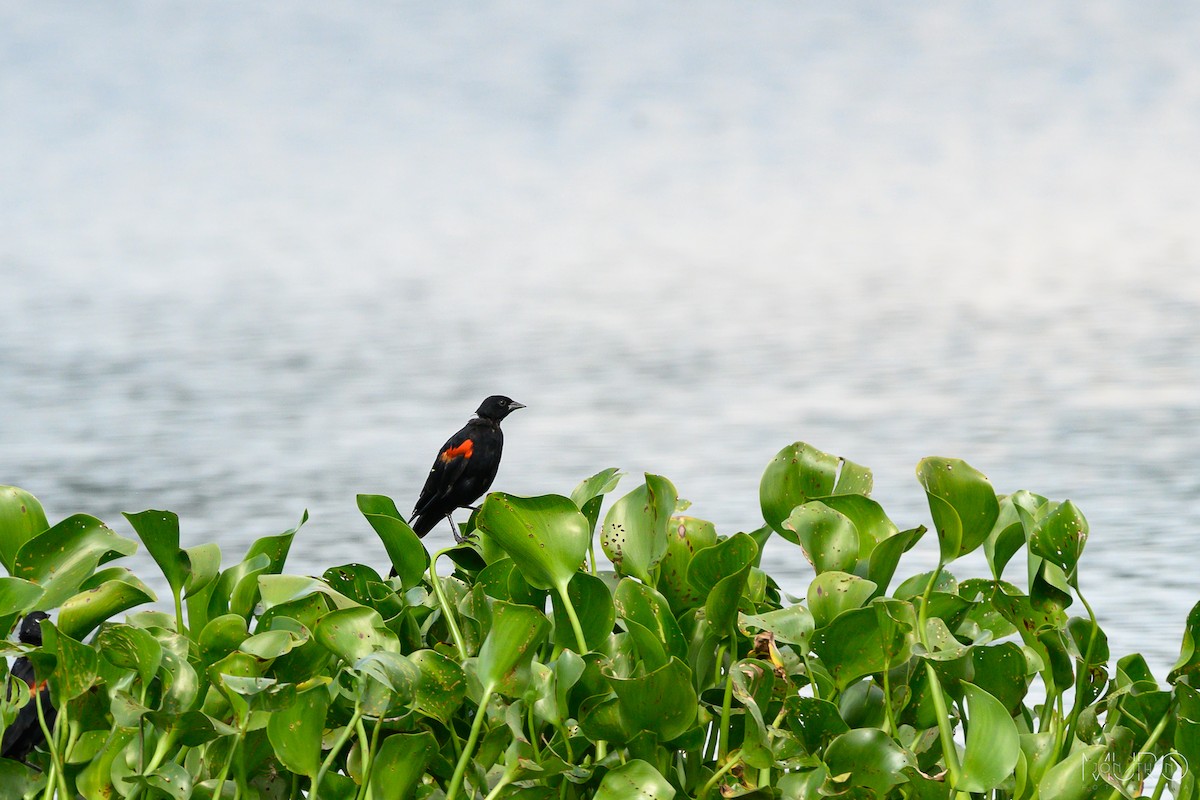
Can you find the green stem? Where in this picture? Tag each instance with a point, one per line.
(945, 732)
(1080, 679)
(812, 677)
(447, 612)
(367, 750)
(460, 769)
(1147, 749)
(237, 741)
(533, 735)
(179, 613)
(160, 752)
(60, 779)
(890, 719)
(726, 706)
(505, 780)
(734, 760)
(570, 608)
(344, 737)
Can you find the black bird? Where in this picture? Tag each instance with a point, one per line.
(25, 733)
(465, 467)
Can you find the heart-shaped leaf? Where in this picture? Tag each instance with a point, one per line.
(828, 538)
(635, 780)
(635, 528)
(1059, 538)
(547, 537)
(408, 555)
(517, 631)
(962, 502)
(662, 701)
(63, 557)
(21, 519)
(993, 745)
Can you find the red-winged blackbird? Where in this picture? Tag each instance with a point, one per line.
(25, 733)
(465, 467)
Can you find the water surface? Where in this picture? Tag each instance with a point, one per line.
(257, 259)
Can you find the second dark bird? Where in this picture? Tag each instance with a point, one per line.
(464, 468)
(25, 733)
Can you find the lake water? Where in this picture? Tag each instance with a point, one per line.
(256, 258)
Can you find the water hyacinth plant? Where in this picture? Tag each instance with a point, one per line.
(520, 666)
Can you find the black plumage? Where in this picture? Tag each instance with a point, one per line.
(25, 733)
(464, 468)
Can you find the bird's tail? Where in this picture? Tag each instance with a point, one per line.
(424, 523)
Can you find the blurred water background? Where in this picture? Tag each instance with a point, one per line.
(256, 258)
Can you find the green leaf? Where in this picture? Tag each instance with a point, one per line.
(180, 682)
(1006, 537)
(724, 601)
(815, 722)
(867, 758)
(1059, 538)
(517, 631)
(17, 598)
(828, 537)
(593, 603)
(441, 687)
(791, 625)
(713, 564)
(352, 633)
(635, 529)
(96, 780)
(63, 557)
(868, 517)
(685, 537)
(857, 643)
(81, 613)
(797, 473)
(400, 764)
(1003, 672)
(389, 682)
(408, 555)
(832, 593)
(886, 556)
(663, 701)
(1188, 662)
(598, 485)
(204, 562)
(220, 637)
(639, 603)
(993, 744)
(171, 779)
(962, 502)
(546, 536)
(75, 664)
(1076, 777)
(130, 648)
(635, 780)
(159, 532)
(21, 519)
(276, 547)
(295, 730)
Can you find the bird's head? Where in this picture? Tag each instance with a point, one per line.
(31, 630)
(497, 407)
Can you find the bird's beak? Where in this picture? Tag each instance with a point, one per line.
(513, 406)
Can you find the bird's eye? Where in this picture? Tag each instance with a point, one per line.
(503, 402)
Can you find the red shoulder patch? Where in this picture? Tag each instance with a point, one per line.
(465, 449)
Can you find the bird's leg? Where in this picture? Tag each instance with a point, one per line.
(458, 536)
